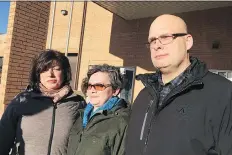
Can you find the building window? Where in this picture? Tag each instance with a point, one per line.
(1, 62)
(73, 58)
(225, 73)
(128, 87)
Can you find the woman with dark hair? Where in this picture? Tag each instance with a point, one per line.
(101, 129)
(38, 120)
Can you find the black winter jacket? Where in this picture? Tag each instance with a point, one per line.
(195, 118)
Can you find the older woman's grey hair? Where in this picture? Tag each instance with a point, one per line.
(116, 78)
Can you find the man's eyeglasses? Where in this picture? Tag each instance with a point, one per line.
(164, 39)
(98, 86)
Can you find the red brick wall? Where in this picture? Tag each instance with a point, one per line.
(26, 36)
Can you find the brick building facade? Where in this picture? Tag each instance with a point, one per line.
(26, 35)
(97, 35)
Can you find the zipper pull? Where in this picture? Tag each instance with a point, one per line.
(149, 106)
(55, 105)
(81, 135)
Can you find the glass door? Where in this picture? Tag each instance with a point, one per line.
(128, 87)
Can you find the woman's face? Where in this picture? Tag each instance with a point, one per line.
(52, 78)
(100, 89)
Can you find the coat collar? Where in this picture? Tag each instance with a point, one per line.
(196, 70)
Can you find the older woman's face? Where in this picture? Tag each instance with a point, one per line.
(99, 89)
(52, 78)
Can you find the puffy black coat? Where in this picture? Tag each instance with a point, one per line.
(195, 118)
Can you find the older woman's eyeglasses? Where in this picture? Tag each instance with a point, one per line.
(98, 86)
(164, 39)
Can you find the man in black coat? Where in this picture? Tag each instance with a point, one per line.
(184, 109)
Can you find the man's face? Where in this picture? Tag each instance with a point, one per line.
(169, 56)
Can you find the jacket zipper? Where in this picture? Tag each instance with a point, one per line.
(154, 115)
(82, 130)
(155, 98)
(52, 128)
(145, 119)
